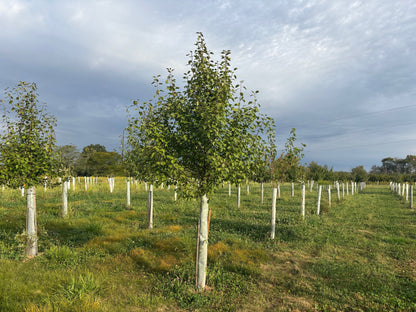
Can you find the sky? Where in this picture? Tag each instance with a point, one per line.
(342, 72)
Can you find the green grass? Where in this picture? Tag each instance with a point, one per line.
(359, 255)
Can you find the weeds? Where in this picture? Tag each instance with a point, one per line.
(80, 287)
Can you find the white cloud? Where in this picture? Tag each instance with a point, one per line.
(10, 9)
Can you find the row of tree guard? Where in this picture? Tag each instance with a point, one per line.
(341, 189)
(404, 190)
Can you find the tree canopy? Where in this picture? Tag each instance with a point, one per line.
(201, 135)
(27, 149)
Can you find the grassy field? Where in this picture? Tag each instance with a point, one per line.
(360, 255)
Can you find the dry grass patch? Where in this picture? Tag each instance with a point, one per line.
(297, 304)
(161, 255)
(124, 216)
(174, 228)
(216, 251)
(151, 261)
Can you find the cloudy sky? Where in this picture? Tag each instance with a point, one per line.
(342, 72)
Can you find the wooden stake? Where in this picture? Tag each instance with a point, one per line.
(209, 222)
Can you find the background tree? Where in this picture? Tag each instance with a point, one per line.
(398, 166)
(359, 174)
(93, 148)
(410, 164)
(292, 157)
(199, 136)
(341, 176)
(389, 165)
(146, 156)
(317, 172)
(82, 163)
(105, 164)
(287, 167)
(69, 156)
(395, 169)
(27, 149)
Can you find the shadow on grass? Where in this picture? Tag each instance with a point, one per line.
(255, 232)
(13, 223)
(73, 234)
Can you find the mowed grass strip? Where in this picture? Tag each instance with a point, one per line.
(358, 255)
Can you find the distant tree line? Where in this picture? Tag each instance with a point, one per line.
(93, 160)
(395, 169)
(322, 173)
(391, 169)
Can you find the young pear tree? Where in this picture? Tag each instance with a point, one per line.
(292, 157)
(27, 149)
(146, 156)
(198, 136)
(285, 167)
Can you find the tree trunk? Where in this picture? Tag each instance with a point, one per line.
(338, 192)
(329, 196)
(202, 254)
(273, 220)
(128, 192)
(262, 193)
(150, 207)
(111, 184)
(31, 224)
(318, 206)
(411, 196)
(238, 196)
(407, 192)
(293, 189)
(64, 199)
(343, 190)
(303, 202)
